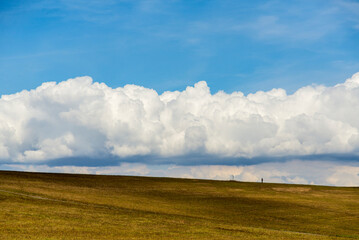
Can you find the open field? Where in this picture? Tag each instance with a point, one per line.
(68, 206)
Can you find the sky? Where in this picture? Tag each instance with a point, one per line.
(199, 89)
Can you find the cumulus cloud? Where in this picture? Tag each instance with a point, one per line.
(82, 118)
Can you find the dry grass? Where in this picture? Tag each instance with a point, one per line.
(66, 206)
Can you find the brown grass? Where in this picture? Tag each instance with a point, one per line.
(68, 206)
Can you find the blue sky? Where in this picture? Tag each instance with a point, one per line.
(167, 45)
(178, 55)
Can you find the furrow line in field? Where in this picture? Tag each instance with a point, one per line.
(41, 198)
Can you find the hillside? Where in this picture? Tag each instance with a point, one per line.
(69, 206)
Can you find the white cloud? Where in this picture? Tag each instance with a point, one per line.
(80, 118)
(123, 169)
(345, 176)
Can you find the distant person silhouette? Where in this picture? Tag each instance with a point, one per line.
(262, 180)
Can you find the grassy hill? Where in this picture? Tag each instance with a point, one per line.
(69, 206)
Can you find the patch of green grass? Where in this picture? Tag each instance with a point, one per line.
(69, 206)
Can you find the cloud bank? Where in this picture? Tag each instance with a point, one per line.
(82, 118)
